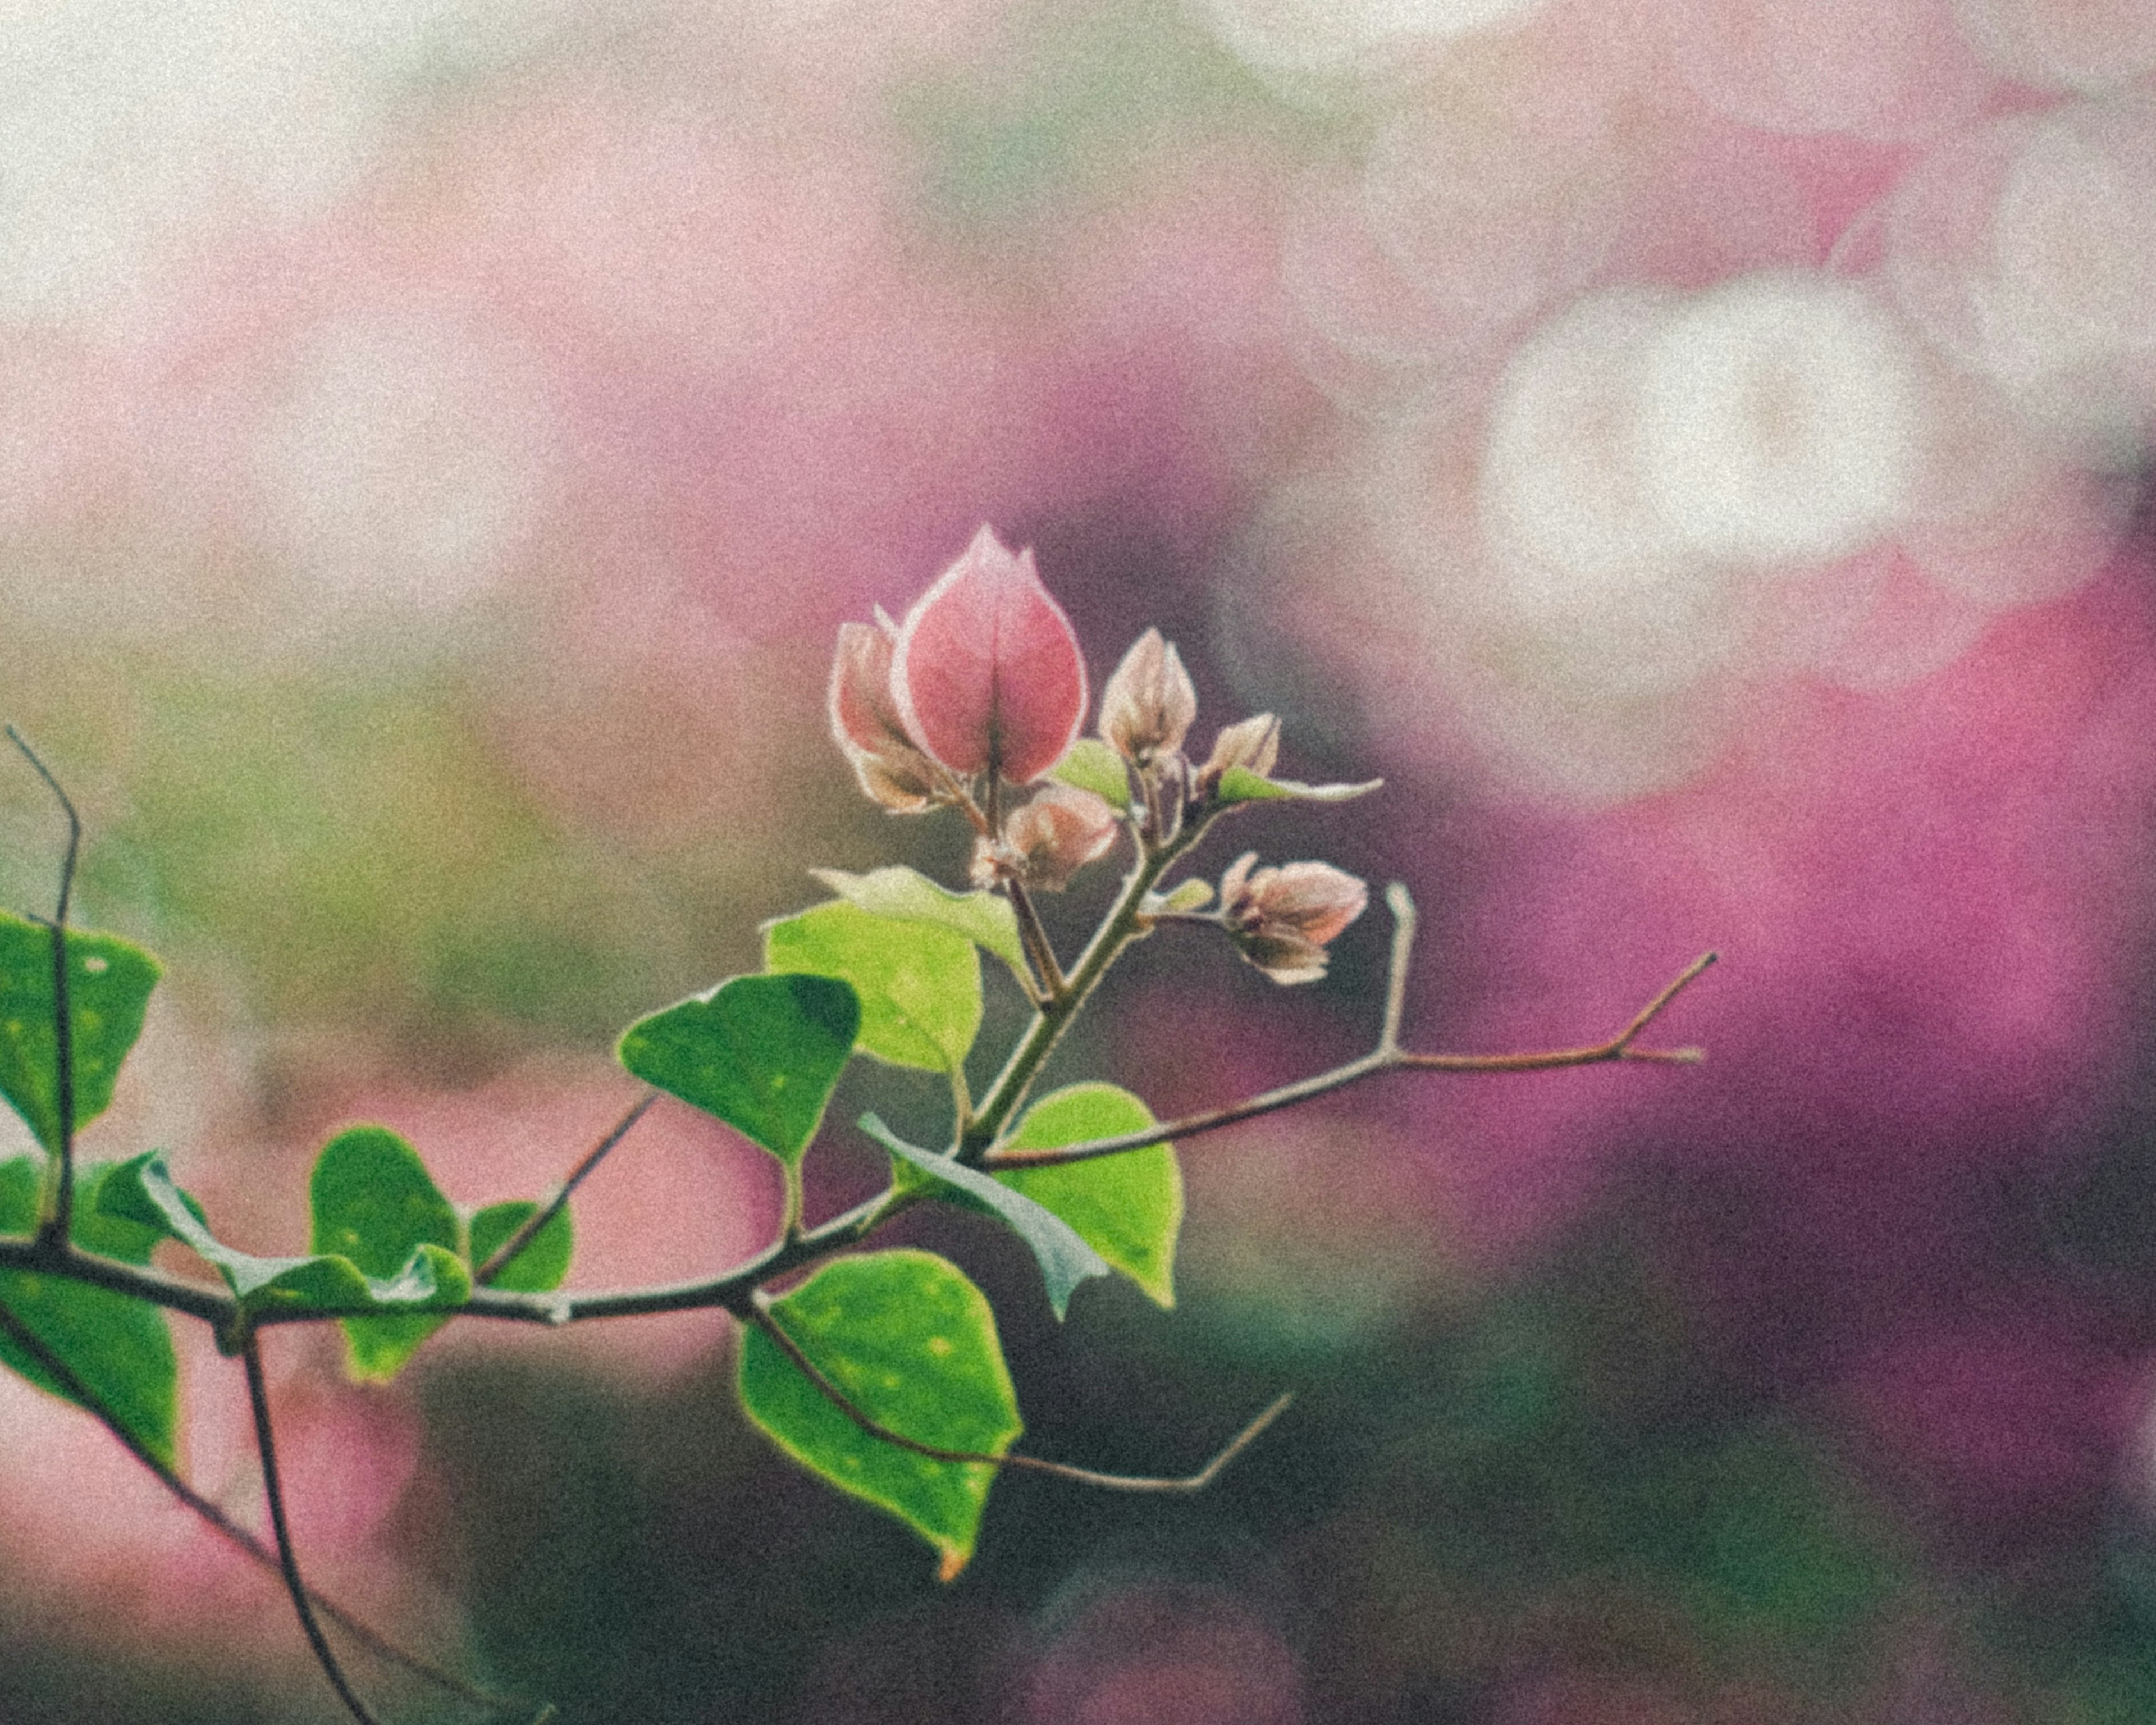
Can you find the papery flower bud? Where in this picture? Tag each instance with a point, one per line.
(1148, 706)
(865, 724)
(1281, 918)
(1047, 839)
(1252, 744)
(986, 672)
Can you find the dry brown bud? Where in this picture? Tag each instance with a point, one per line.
(1281, 918)
(1148, 706)
(1047, 839)
(865, 724)
(1252, 744)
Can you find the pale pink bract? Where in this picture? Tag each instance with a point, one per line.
(987, 673)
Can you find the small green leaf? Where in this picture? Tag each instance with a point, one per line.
(1239, 784)
(1065, 1259)
(1128, 1207)
(374, 1202)
(108, 984)
(141, 1191)
(1185, 896)
(120, 1347)
(920, 984)
(1092, 766)
(539, 1268)
(912, 1343)
(763, 1053)
(908, 895)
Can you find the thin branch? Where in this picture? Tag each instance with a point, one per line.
(1038, 948)
(214, 1305)
(760, 1315)
(501, 1256)
(72, 1385)
(67, 808)
(265, 1443)
(730, 1287)
(57, 1227)
(1388, 1056)
(1396, 972)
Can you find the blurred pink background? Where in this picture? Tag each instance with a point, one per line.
(1695, 449)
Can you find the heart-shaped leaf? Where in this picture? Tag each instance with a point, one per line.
(108, 984)
(1126, 1207)
(119, 1346)
(374, 1202)
(908, 895)
(912, 1343)
(1065, 1259)
(920, 985)
(763, 1053)
(431, 1278)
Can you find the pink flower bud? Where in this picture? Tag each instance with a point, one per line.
(1148, 706)
(865, 724)
(1281, 918)
(1047, 839)
(1252, 744)
(987, 673)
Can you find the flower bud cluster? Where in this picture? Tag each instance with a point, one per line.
(975, 698)
(970, 702)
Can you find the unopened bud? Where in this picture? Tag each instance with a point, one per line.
(1047, 839)
(865, 724)
(1252, 744)
(1148, 706)
(1281, 918)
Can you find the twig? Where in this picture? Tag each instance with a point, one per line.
(1038, 947)
(503, 1254)
(265, 1443)
(760, 1314)
(71, 1384)
(731, 1287)
(56, 1229)
(1388, 1056)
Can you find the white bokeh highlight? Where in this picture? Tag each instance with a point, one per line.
(1778, 421)
(1326, 35)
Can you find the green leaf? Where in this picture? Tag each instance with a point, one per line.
(120, 1347)
(763, 1053)
(1239, 784)
(1065, 1259)
(920, 985)
(1129, 1207)
(1092, 766)
(1183, 896)
(108, 984)
(141, 1191)
(539, 1268)
(908, 895)
(374, 1202)
(910, 1342)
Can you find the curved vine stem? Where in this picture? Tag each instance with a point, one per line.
(761, 1316)
(71, 1384)
(56, 1227)
(265, 1443)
